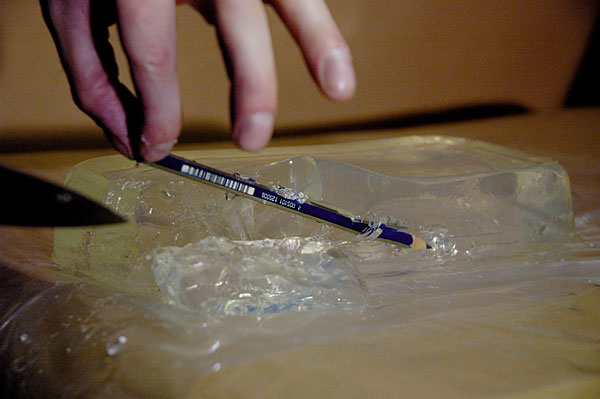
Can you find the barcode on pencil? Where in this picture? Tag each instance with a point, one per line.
(217, 179)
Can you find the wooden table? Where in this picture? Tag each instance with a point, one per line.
(549, 347)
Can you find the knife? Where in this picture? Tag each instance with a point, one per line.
(29, 201)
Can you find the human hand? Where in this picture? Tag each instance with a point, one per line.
(147, 124)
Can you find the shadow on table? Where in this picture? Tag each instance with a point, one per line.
(41, 140)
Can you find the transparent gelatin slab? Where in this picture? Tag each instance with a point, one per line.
(459, 196)
(223, 255)
(210, 279)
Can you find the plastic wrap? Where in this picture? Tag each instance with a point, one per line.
(132, 318)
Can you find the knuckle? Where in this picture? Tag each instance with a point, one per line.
(90, 92)
(157, 59)
(259, 88)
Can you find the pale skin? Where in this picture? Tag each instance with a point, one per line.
(146, 124)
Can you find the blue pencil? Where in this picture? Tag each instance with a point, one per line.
(287, 199)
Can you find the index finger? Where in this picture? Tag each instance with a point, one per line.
(148, 33)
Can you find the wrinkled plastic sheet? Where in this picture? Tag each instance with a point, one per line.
(483, 320)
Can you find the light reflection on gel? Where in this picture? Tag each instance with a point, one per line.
(115, 347)
(290, 193)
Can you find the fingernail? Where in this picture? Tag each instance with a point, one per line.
(337, 74)
(254, 132)
(156, 152)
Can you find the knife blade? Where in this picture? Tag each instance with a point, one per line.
(30, 201)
